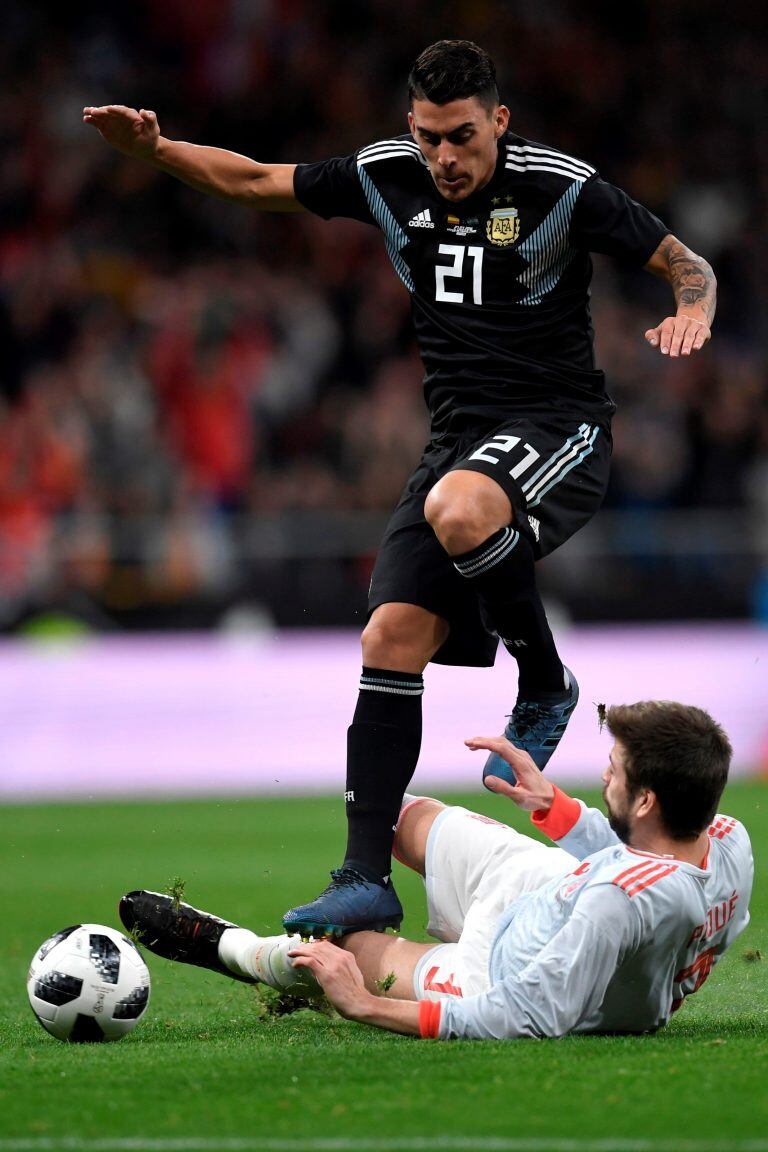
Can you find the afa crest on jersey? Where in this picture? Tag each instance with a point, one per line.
(503, 227)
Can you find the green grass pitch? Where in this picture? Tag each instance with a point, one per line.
(207, 1068)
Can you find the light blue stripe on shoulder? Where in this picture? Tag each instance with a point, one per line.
(547, 249)
(394, 236)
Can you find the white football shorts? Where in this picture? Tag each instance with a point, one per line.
(475, 867)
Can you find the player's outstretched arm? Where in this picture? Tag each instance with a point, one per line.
(215, 171)
(338, 974)
(533, 792)
(695, 290)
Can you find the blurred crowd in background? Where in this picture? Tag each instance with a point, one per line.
(206, 414)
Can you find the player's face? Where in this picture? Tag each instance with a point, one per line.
(618, 803)
(458, 141)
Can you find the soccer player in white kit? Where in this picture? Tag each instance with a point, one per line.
(608, 931)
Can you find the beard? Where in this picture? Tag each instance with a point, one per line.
(619, 824)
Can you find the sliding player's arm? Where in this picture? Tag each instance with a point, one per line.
(570, 823)
(695, 291)
(214, 171)
(338, 974)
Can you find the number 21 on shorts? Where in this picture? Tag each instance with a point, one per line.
(505, 444)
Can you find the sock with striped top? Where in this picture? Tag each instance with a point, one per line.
(502, 573)
(383, 745)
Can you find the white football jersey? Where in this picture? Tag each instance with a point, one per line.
(614, 946)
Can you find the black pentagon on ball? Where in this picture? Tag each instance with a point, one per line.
(58, 988)
(54, 940)
(86, 1031)
(132, 1006)
(105, 956)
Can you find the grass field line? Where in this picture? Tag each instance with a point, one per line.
(434, 1143)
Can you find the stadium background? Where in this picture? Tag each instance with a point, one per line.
(206, 414)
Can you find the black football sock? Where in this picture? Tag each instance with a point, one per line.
(383, 744)
(502, 573)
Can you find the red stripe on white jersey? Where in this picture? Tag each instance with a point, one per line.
(635, 868)
(641, 876)
(641, 869)
(638, 886)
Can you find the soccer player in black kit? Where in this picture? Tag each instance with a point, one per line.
(491, 234)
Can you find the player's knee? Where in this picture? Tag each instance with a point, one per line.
(403, 637)
(464, 509)
(443, 514)
(385, 644)
(412, 832)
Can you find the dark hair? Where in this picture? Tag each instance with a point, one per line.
(453, 70)
(680, 754)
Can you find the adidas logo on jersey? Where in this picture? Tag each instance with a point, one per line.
(421, 220)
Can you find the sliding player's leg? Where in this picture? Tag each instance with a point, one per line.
(180, 932)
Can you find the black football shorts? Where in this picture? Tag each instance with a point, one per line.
(555, 472)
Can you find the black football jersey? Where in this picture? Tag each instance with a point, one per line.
(499, 282)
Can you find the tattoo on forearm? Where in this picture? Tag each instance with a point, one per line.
(691, 277)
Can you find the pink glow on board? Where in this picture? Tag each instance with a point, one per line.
(206, 714)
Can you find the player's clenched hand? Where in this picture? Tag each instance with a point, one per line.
(679, 335)
(336, 972)
(134, 133)
(532, 792)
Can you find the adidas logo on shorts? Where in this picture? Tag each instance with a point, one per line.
(421, 220)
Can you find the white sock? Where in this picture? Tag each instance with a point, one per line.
(265, 959)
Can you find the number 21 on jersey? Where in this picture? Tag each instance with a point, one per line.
(455, 271)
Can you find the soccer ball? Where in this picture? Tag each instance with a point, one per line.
(88, 983)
